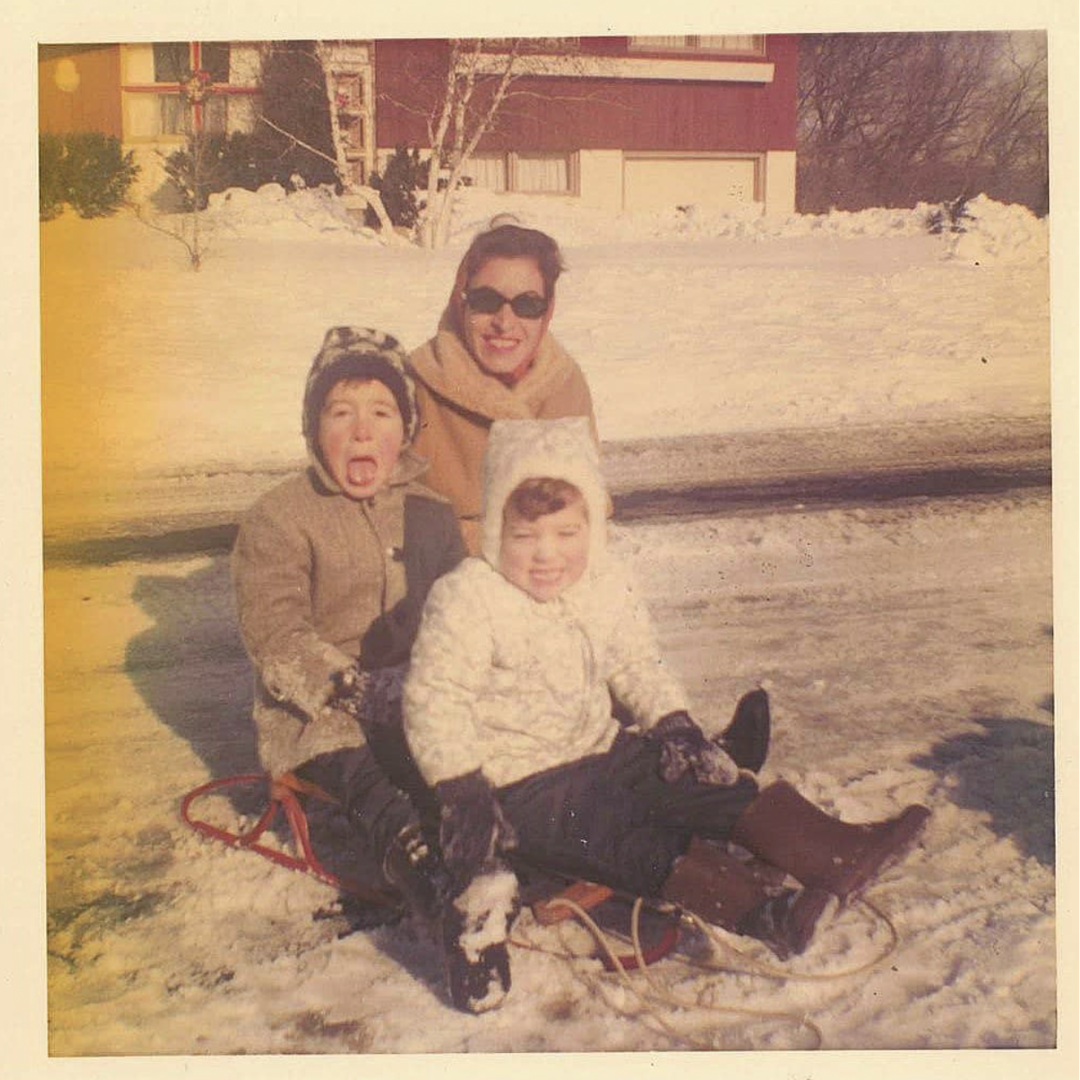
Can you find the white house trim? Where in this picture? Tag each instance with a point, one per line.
(629, 67)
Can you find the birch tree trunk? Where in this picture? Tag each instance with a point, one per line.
(455, 133)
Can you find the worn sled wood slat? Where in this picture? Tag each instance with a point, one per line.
(586, 894)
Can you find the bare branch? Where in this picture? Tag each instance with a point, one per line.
(296, 141)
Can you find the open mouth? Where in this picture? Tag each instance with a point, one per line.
(361, 471)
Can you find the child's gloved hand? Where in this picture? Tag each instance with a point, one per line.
(350, 687)
(473, 826)
(684, 748)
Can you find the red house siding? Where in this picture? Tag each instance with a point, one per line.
(563, 114)
(94, 105)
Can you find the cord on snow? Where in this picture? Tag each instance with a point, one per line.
(659, 996)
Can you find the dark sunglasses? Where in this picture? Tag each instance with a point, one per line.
(486, 301)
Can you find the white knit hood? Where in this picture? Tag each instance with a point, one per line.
(520, 450)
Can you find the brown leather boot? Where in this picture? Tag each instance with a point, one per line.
(717, 887)
(821, 851)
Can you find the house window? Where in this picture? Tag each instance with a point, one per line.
(487, 171)
(729, 44)
(525, 172)
(174, 62)
(547, 173)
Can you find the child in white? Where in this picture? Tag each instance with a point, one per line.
(508, 713)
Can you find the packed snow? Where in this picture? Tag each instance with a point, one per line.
(907, 645)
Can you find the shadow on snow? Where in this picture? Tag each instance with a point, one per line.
(191, 669)
(190, 666)
(1007, 771)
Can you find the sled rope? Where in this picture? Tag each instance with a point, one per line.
(658, 995)
(769, 970)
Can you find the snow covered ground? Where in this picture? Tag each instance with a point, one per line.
(683, 325)
(907, 645)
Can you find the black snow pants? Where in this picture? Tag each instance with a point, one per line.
(375, 806)
(612, 819)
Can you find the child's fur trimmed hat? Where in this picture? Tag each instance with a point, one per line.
(354, 352)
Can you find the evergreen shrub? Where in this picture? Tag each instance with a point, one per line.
(397, 186)
(87, 169)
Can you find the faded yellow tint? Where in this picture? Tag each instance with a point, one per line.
(80, 423)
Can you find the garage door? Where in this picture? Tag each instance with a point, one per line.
(659, 183)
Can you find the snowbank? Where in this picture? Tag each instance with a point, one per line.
(271, 212)
(993, 230)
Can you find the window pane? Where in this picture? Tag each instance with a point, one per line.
(675, 42)
(215, 60)
(729, 43)
(143, 114)
(171, 60)
(215, 113)
(735, 43)
(542, 173)
(173, 114)
(487, 171)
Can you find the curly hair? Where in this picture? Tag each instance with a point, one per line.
(516, 242)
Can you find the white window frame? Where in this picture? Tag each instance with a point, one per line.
(703, 44)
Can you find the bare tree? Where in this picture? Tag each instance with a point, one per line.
(189, 173)
(469, 103)
(464, 94)
(889, 119)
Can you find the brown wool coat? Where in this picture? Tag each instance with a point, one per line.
(321, 581)
(458, 402)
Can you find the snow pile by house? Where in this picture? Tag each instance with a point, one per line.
(272, 212)
(991, 230)
(997, 230)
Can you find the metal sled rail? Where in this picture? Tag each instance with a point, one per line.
(283, 799)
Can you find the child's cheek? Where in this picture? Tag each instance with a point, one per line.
(390, 445)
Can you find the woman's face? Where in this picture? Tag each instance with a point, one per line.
(502, 343)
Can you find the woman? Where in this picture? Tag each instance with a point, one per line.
(492, 358)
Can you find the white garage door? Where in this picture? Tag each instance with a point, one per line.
(659, 183)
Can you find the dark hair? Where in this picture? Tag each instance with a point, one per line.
(538, 496)
(516, 242)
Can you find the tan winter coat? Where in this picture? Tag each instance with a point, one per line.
(458, 402)
(322, 580)
(512, 686)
